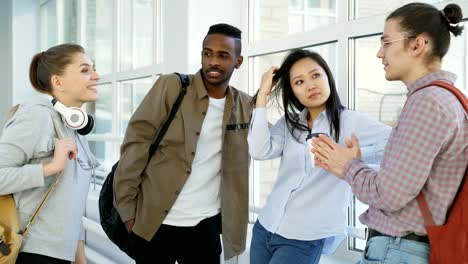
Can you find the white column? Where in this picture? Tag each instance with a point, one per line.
(6, 55)
(25, 44)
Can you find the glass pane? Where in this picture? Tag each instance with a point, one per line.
(102, 150)
(375, 95)
(383, 99)
(102, 110)
(98, 28)
(48, 16)
(360, 209)
(365, 8)
(280, 17)
(265, 171)
(136, 34)
(131, 94)
(70, 18)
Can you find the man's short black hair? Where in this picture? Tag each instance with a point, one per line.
(230, 31)
(225, 29)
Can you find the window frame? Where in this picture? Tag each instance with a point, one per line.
(115, 77)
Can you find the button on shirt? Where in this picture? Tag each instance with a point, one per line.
(309, 203)
(427, 151)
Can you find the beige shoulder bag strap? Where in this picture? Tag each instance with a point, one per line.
(54, 184)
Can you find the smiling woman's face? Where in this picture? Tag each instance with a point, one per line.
(78, 83)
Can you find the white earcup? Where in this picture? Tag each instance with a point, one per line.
(74, 116)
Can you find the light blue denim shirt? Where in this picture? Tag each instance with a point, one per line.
(309, 203)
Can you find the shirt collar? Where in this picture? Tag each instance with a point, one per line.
(430, 77)
(201, 89)
(305, 111)
(200, 85)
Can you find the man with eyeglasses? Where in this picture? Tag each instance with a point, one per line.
(427, 152)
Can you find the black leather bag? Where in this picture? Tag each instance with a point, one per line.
(110, 218)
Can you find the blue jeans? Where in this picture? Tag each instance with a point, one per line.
(269, 248)
(389, 250)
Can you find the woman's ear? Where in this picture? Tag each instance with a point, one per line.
(56, 83)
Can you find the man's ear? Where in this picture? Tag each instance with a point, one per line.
(239, 61)
(419, 46)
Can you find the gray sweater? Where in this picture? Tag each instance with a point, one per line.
(27, 142)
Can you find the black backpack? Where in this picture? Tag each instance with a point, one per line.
(110, 218)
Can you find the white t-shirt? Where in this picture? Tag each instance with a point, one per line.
(199, 198)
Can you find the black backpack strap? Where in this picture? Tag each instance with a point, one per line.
(184, 79)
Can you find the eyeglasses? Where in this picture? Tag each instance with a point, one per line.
(384, 43)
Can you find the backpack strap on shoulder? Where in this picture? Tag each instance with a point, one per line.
(428, 219)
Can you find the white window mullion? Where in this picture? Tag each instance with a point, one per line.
(116, 112)
(60, 9)
(157, 32)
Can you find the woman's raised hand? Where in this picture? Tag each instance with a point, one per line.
(266, 86)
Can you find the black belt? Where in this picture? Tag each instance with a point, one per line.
(410, 236)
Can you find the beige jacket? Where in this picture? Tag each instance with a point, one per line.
(148, 194)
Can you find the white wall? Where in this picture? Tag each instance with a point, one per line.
(175, 28)
(6, 55)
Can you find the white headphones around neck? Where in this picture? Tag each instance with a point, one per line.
(75, 117)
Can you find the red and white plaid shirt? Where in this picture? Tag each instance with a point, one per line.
(427, 150)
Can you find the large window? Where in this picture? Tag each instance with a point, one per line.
(136, 38)
(97, 34)
(281, 17)
(383, 100)
(48, 14)
(131, 94)
(122, 38)
(58, 21)
(365, 8)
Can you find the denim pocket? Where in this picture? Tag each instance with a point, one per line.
(369, 260)
(403, 256)
(374, 257)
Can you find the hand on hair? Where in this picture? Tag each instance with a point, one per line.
(266, 86)
(65, 149)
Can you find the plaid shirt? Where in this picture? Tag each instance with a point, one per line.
(427, 151)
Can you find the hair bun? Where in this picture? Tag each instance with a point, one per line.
(453, 13)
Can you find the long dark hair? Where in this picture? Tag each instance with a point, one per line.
(418, 18)
(292, 106)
